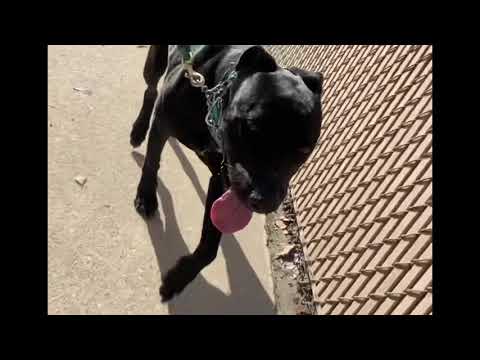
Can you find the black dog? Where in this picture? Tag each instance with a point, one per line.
(271, 123)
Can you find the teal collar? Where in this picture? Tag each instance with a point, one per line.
(189, 51)
(214, 96)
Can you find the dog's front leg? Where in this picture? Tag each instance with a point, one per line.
(188, 267)
(146, 199)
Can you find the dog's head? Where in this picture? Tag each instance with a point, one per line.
(271, 125)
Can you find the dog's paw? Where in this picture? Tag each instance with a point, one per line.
(146, 205)
(138, 133)
(178, 278)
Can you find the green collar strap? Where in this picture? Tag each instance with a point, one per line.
(189, 51)
(214, 96)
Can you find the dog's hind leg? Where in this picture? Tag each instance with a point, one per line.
(189, 266)
(155, 65)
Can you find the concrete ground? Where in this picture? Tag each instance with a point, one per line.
(103, 258)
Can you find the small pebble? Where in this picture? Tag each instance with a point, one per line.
(80, 180)
(83, 91)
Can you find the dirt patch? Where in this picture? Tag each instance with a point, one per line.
(292, 287)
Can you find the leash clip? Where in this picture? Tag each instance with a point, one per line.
(196, 79)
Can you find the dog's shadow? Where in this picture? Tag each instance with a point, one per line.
(247, 293)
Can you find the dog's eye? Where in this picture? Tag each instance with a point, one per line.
(304, 149)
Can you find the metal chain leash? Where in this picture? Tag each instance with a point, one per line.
(196, 79)
(215, 96)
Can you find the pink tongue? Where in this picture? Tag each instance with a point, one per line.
(228, 214)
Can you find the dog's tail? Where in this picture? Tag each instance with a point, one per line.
(155, 66)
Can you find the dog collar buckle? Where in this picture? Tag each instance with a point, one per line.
(196, 79)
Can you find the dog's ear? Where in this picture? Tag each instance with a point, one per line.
(313, 80)
(256, 59)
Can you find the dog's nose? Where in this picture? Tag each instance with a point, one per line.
(255, 201)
